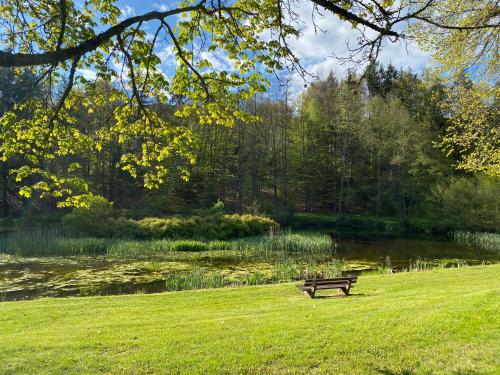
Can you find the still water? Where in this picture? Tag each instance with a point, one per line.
(34, 277)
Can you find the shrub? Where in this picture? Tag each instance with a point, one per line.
(469, 203)
(91, 220)
(214, 227)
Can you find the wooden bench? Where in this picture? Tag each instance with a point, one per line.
(343, 283)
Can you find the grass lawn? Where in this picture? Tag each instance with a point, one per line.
(433, 322)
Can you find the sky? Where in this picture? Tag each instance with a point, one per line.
(316, 49)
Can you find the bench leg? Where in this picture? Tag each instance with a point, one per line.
(345, 291)
(308, 293)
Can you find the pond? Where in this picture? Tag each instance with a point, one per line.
(59, 276)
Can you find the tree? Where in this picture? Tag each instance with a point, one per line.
(461, 35)
(14, 89)
(473, 134)
(59, 38)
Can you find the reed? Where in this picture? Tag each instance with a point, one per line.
(46, 242)
(314, 244)
(196, 278)
(484, 240)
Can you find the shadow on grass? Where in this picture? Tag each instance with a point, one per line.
(390, 372)
(341, 296)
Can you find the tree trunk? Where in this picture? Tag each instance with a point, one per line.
(5, 189)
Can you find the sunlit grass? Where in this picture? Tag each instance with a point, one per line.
(436, 322)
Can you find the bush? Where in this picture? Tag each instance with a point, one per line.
(98, 221)
(91, 220)
(469, 203)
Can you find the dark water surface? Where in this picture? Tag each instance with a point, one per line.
(56, 276)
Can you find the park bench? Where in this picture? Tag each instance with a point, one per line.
(344, 283)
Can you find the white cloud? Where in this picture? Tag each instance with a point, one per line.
(219, 60)
(161, 7)
(318, 47)
(88, 74)
(167, 57)
(126, 12)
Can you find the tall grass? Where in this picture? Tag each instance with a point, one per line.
(44, 242)
(196, 278)
(290, 243)
(287, 269)
(52, 242)
(484, 240)
(287, 242)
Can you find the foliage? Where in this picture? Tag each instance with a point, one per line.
(345, 150)
(469, 44)
(473, 134)
(98, 222)
(468, 203)
(91, 217)
(51, 131)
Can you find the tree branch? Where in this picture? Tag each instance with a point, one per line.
(183, 58)
(8, 59)
(64, 14)
(353, 17)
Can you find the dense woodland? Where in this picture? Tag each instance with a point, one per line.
(359, 144)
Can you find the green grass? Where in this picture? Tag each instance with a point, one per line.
(435, 322)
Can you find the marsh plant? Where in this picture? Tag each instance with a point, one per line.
(196, 278)
(42, 242)
(283, 269)
(484, 240)
(285, 242)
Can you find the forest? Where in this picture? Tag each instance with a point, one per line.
(360, 144)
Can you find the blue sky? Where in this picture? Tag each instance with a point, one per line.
(315, 49)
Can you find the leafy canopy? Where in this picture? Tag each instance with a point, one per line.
(58, 39)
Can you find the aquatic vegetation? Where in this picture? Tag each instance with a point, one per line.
(285, 242)
(196, 278)
(135, 266)
(42, 243)
(484, 240)
(291, 243)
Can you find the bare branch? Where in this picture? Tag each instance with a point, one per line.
(67, 90)
(183, 58)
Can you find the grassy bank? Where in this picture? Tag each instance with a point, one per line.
(394, 324)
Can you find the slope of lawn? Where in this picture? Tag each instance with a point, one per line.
(433, 322)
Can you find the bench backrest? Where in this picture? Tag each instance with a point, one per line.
(336, 280)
